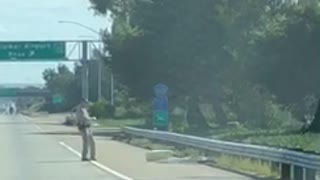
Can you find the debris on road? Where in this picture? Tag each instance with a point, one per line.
(157, 155)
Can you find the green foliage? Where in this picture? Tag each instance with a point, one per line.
(284, 54)
(102, 109)
(119, 123)
(300, 142)
(250, 60)
(137, 111)
(178, 121)
(120, 112)
(66, 83)
(235, 163)
(62, 81)
(241, 134)
(246, 165)
(125, 108)
(129, 107)
(278, 117)
(178, 125)
(281, 138)
(116, 7)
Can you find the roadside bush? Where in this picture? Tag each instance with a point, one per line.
(178, 120)
(120, 112)
(102, 109)
(129, 107)
(134, 112)
(138, 110)
(256, 108)
(178, 125)
(279, 117)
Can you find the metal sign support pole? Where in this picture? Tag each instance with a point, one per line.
(100, 64)
(84, 69)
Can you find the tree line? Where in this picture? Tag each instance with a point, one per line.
(66, 83)
(254, 62)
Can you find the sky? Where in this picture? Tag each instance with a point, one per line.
(38, 20)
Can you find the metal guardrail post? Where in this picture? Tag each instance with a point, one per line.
(297, 173)
(285, 172)
(310, 174)
(275, 167)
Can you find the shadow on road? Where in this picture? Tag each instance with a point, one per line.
(58, 161)
(68, 133)
(210, 178)
(13, 123)
(49, 123)
(55, 133)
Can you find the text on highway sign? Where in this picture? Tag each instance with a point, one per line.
(32, 50)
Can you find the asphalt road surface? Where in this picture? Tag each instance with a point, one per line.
(40, 148)
(26, 155)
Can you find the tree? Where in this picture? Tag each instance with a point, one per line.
(163, 43)
(240, 56)
(285, 55)
(68, 84)
(315, 125)
(64, 83)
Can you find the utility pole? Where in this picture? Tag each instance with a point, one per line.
(84, 71)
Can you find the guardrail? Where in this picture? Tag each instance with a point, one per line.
(294, 165)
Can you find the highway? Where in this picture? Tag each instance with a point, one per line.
(24, 155)
(40, 148)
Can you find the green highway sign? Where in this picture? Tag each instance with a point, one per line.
(33, 50)
(57, 99)
(8, 92)
(160, 119)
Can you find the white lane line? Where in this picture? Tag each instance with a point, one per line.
(97, 164)
(25, 119)
(38, 127)
(70, 149)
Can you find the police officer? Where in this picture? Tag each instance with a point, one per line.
(84, 123)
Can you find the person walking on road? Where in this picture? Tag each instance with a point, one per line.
(84, 123)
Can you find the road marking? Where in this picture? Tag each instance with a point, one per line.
(97, 164)
(38, 127)
(70, 148)
(22, 117)
(26, 119)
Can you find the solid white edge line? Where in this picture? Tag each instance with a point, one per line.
(97, 164)
(70, 149)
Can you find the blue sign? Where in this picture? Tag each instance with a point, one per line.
(160, 90)
(160, 103)
(160, 107)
